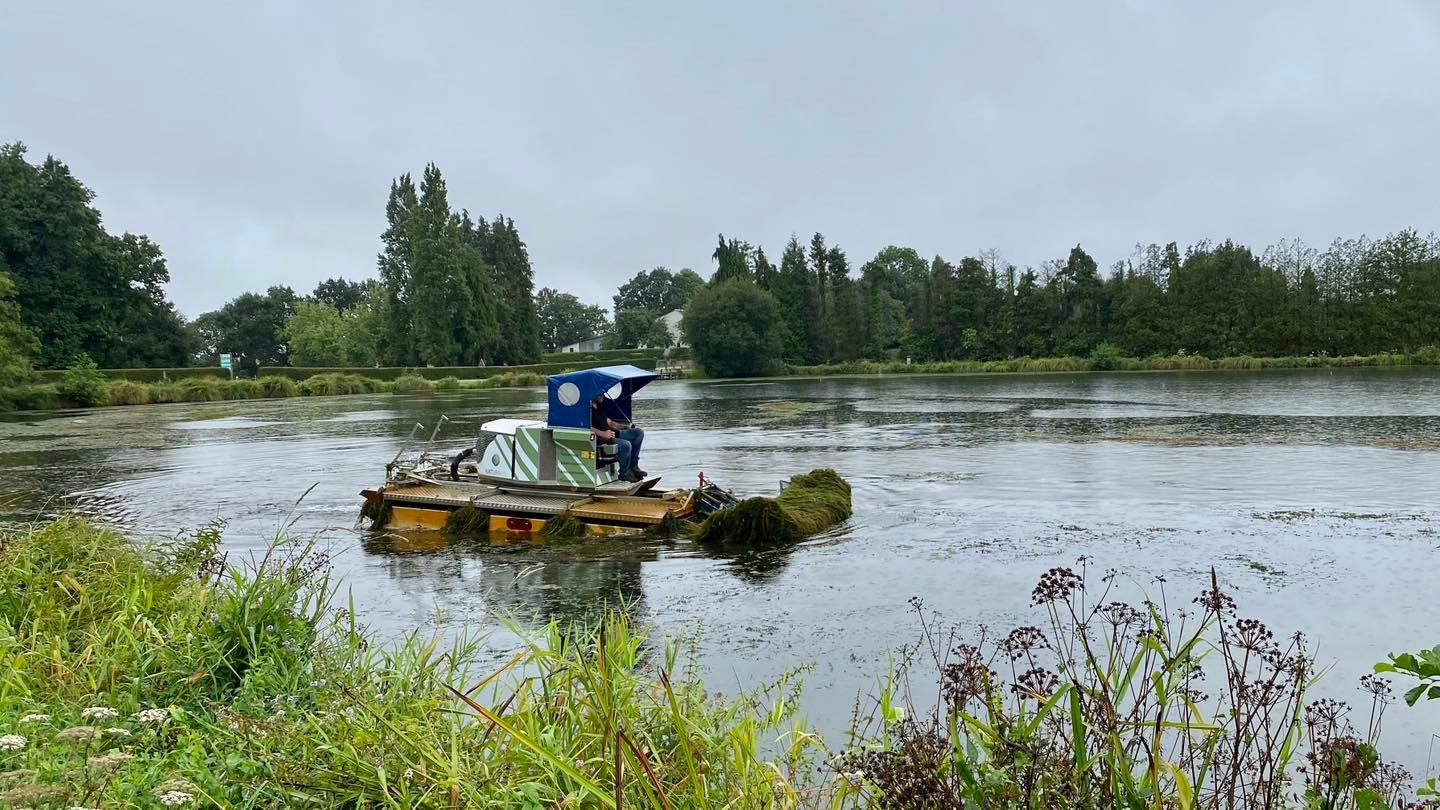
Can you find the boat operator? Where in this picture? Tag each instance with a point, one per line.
(626, 436)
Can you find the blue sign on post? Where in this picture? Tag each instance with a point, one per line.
(225, 361)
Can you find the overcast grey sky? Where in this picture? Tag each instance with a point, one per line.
(256, 141)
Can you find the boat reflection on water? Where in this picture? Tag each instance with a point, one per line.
(517, 576)
(522, 577)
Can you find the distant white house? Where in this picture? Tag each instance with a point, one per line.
(593, 344)
(672, 324)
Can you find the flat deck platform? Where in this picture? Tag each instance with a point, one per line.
(615, 502)
(645, 511)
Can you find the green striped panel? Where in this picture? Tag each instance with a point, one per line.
(527, 454)
(574, 457)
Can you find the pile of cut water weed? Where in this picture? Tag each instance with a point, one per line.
(156, 674)
(808, 504)
(562, 527)
(467, 521)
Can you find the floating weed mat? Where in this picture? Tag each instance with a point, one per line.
(562, 527)
(810, 503)
(467, 521)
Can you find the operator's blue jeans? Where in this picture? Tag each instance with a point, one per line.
(627, 449)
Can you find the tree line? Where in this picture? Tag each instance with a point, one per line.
(454, 289)
(1358, 296)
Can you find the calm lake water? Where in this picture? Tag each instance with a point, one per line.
(1312, 493)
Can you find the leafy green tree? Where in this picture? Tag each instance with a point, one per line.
(1208, 296)
(564, 319)
(442, 299)
(761, 270)
(683, 286)
(315, 335)
(732, 259)
(1081, 296)
(791, 289)
(658, 290)
(342, 294)
(886, 324)
(81, 290)
(645, 290)
(1035, 306)
(249, 328)
(638, 327)
(17, 343)
(513, 283)
(397, 275)
(364, 329)
(734, 329)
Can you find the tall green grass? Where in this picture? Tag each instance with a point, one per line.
(132, 671)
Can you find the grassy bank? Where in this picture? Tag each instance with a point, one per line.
(162, 674)
(1105, 359)
(82, 389)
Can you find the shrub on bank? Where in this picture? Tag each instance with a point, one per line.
(410, 383)
(450, 383)
(521, 379)
(83, 384)
(329, 385)
(202, 389)
(125, 392)
(275, 387)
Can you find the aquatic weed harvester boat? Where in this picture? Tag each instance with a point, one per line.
(525, 475)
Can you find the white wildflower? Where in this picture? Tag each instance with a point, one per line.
(409, 774)
(78, 734)
(118, 732)
(174, 798)
(99, 713)
(12, 742)
(110, 760)
(151, 717)
(317, 684)
(279, 714)
(35, 718)
(234, 726)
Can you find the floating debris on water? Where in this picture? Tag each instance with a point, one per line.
(786, 407)
(810, 503)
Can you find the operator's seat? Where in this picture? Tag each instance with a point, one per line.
(605, 454)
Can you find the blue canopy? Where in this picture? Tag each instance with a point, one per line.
(571, 394)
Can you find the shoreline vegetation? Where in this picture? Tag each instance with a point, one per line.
(86, 386)
(164, 673)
